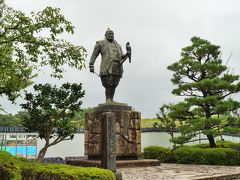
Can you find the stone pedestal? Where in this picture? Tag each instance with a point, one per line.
(128, 131)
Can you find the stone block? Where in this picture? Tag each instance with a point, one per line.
(138, 124)
(86, 148)
(90, 148)
(139, 149)
(96, 149)
(120, 145)
(127, 131)
(130, 137)
(95, 138)
(131, 149)
(118, 128)
(134, 135)
(138, 136)
(138, 116)
(95, 127)
(131, 124)
(86, 135)
(88, 123)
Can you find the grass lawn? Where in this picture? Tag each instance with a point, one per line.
(148, 123)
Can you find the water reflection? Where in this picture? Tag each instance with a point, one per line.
(76, 146)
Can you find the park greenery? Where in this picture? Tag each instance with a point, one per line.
(168, 124)
(24, 49)
(225, 153)
(15, 120)
(28, 43)
(79, 117)
(55, 113)
(15, 168)
(50, 111)
(207, 85)
(149, 122)
(10, 120)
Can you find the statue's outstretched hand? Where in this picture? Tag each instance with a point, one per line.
(92, 69)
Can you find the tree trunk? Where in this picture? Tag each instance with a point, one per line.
(208, 126)
(211, 141)
(172, 136)
(43, 151)
(41, 154)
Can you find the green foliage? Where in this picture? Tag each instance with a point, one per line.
(205, 83)
(158, 152)
(51, 110)
(14, 120)
(226, 153)
(79, 118)
(23, 49)
(167, 123)
(233, 121)
(228, 144)
(9, 120)
(148, 123)
(20, 168)
(220, 144)
(212, 156)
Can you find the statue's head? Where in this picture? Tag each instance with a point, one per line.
(109, 35)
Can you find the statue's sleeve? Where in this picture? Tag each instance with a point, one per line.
(95, 54)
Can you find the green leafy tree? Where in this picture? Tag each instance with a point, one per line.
(51, 110)
(167, 123)
(14, 120)
(233, 121)
(206, 84)
(9, 120)
(24, 49)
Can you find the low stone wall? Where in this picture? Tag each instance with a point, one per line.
(128, 134)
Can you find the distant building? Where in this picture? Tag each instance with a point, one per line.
(18, 142)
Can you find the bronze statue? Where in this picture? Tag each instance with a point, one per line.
(111, 68)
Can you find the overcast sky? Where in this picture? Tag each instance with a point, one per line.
(157, 31)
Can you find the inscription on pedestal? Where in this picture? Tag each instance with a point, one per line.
(108, 158)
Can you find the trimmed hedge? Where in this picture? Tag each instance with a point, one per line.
(15, 168)
(220, 144)
(157, 152)
(212, 156)
(194, 155)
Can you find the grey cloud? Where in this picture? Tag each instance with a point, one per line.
(157, 30)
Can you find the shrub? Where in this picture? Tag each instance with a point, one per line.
(204, 145)
(228, 144)
(220, 144)
(213, 156)
(158, 152)
(15, 168)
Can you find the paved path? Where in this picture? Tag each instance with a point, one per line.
(180, 172)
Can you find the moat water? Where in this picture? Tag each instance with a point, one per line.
(76, 146)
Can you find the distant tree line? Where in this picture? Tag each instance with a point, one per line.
(15, 120)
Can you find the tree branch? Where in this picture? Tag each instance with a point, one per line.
(10, 28)
(197, 140)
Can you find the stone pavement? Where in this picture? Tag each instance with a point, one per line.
(181, 172)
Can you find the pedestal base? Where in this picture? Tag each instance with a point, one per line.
(128, 131)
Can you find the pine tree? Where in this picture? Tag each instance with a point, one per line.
(206, 84)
